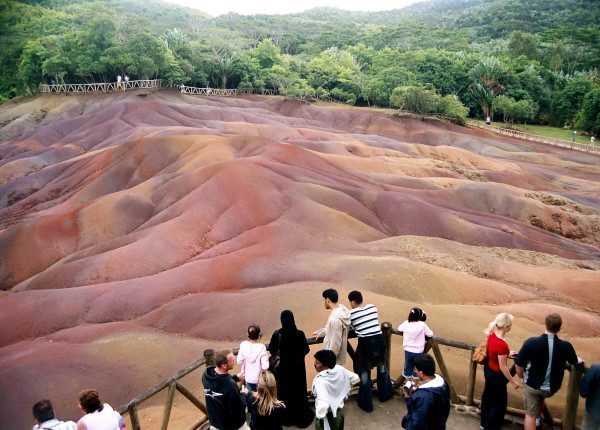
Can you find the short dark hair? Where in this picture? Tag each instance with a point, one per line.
(253, 331)
(553, 322)
(355, 296)
(425, 364)
(90, 401)
(330, 294)
(416, 314)
(326, 357)
(43, 411)
(221, 357)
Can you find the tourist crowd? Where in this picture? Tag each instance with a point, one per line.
(273, 379)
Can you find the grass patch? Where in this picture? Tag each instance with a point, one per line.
(545, 131)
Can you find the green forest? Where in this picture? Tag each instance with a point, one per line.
(526, 61)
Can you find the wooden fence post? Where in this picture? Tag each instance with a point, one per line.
(471, 380)
(168, 407)
(386, 328)
(133, 416)
(209, 356)
(570, 412)
(444, 371)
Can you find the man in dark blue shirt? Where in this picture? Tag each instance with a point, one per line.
(541, 362)
(590, 390)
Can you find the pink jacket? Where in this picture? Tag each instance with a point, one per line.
(254, 359)
(414, 335)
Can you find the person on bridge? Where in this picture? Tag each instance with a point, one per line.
(43, 412)
(495, 398)
(337, 327)
(428, 402)
(224, 402)
(290, 344)
(544, 358)
(330, 388)
(370, 352)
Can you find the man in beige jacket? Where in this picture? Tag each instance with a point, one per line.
(336, 330)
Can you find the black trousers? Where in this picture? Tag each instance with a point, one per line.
(493, 399)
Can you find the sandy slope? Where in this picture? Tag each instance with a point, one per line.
(135, 232)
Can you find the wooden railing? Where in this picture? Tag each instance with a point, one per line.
(101, 87)
(206, 91)
(595, 149)
(173, 383)
(570, 409)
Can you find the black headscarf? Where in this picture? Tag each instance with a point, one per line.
(288, 324)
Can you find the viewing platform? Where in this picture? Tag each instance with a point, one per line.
(155, 410)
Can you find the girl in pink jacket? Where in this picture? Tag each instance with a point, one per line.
(253, 357)
(414, 332)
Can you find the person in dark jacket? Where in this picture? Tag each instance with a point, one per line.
(428, 404)
(590, 390)
(224, 402)
(266, 411)
(291, 345)
(541, 362)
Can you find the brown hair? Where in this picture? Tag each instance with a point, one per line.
(553, 323)
(90, 401)
(221, 357)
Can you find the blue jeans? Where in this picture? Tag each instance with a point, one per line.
(370, 353)
(409, 366)
(251, 387)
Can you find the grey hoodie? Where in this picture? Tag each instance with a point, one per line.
(336, 332)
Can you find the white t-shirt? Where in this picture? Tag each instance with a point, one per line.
(56, 425)
(106, 419)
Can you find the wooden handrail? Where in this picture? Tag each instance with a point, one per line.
(172, 383)
(101, 87)
(570, 410)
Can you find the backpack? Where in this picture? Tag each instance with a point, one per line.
(480, 353)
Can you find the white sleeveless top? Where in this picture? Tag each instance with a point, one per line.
(106, 419)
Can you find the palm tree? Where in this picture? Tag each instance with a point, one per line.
(486, 76)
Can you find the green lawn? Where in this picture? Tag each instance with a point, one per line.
(546, 131)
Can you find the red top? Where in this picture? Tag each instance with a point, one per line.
(496, 347)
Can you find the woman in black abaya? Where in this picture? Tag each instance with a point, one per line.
(291, 345)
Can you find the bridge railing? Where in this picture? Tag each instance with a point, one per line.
(101, 87)
(174, 383)
(207, 91)
(536, 138)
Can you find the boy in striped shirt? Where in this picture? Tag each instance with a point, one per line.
(370, 352)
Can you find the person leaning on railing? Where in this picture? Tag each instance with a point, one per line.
(495, 397)
(545, 358)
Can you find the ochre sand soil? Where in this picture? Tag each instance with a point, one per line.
(136, 232)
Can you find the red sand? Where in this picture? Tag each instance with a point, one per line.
(136, 232)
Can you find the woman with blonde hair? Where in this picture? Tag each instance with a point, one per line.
(266, 411)
(496, 373)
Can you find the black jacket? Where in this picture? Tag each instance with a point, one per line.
(224, 405)
(428, 407)
(533, 357)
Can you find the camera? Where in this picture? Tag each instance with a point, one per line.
(409, 386)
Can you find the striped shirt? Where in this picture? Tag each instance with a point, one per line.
(365, 320)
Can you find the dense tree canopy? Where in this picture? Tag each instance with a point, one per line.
(527, 60)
